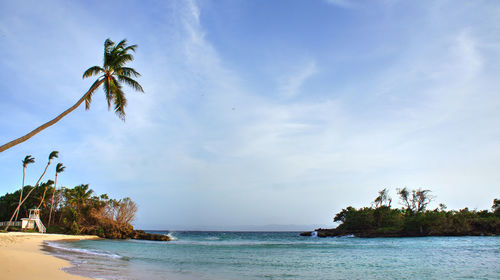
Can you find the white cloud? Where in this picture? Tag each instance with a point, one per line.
(291, 84)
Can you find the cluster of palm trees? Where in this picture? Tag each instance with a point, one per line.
(59, 169)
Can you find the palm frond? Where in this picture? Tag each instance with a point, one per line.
(28, 160)
(119, 59)
(94, 70)
(107, 92)
(53, 154)
(131, 83)
(108, 44)
(127, 71)
(120, 101)
(122, 44)
(60, 168)
(130, 48)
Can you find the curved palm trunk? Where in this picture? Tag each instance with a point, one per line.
(53, 121)
(52, 201)
(21, 196)
(43, 197)
(46, 186)
(19, 206)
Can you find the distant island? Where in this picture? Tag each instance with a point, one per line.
(412, 220)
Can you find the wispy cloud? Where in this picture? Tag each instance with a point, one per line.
(342, 3)
(207, 148)
(291, 83)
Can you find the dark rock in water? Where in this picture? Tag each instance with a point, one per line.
(325, 232)
(142, 235)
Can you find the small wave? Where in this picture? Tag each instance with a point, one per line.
(171, 236)
(58, 246)
(213, 238)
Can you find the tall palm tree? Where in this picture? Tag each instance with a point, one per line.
(59, 169)
(112, 74)
(52, 155)
(27, 160)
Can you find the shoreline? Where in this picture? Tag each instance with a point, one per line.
(21, 256)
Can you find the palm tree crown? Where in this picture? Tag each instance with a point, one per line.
(113, 73)
(78, 195)
(60, 168)
(28, 160)
(53, 155)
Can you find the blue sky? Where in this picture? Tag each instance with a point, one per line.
(259, 112)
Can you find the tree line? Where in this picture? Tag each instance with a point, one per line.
(413, 218)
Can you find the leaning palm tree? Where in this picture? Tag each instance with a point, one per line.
(27, 160)
(112, 75)
(52, 155)
(59, 168)
(45, 186)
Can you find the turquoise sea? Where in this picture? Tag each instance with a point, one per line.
(283, 255)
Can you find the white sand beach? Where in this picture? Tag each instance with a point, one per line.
(21, 257)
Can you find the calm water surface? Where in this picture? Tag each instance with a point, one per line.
(283, 255)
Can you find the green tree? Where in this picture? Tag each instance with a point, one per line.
(383, 198)
(496, 206)
(404, 196)
(415, 201)
(27, 160)
(59, 169)
(78, 196)
(112, 74)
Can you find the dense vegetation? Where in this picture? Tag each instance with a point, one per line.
(74, 210)
(413, 219)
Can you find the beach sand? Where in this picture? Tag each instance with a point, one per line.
(21, 257)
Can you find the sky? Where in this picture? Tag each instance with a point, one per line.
(259, 114)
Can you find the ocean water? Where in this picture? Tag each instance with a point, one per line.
(282, 255)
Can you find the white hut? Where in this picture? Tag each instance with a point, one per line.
(32, 221)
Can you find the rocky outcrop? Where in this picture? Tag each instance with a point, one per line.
(142, 235)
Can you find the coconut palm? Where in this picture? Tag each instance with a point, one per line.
(78, 196)
(27, 160)
(59, 169)
(112, 75)
(52, 155)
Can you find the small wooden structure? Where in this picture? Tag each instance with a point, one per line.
(33, 220)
